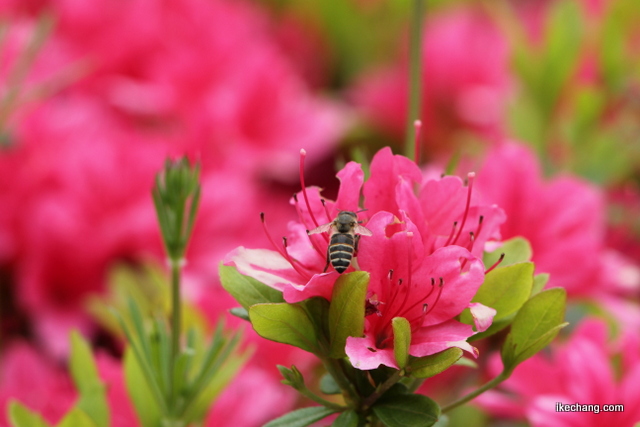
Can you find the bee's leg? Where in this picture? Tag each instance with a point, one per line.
(328, 262)
(355, 244)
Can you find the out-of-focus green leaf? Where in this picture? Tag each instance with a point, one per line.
(347, 419)
(21, 416)
(93, 399)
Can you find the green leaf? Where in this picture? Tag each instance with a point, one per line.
(301, 417)
(346, 313)
(539, 282)
(346, 419)
(247, 290)
(328, 385)
(515, 250)
(534, 327)
(401, 340)
(21, 416)
(406, 410)
(139, 392)
(93, 399)
(240, 312)
(285, 323)
(504, 289)
(77, 418)
(428, 366)
(292, 377)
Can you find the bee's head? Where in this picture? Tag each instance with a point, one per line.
(346, 221)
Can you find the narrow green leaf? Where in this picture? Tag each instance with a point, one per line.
(77, 418)
(328, 385)
(247, 290)
(285, 323)
(139, 392)
(407, 410)
(534, 327)
(428, 366)
(346, 313)
(346, 419)
(515, 250)
(93, 400)
(301, 417)
(401, 340)
(21, 416)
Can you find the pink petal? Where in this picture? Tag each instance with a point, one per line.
(364, 355)
(460, 283)
(320, 285)
(386, 171)
(351, 178)
(433, 339)
(482, 315)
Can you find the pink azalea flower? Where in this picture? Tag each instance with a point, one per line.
(26, 376)
(75, 184)
(563, 218)
(465, 82)
(422, 256)
(578, 371)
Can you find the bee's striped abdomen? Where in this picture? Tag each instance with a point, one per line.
(341, 251)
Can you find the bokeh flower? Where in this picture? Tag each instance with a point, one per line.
(578, 371)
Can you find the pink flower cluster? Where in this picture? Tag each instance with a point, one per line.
(422, 257)
(578, 371)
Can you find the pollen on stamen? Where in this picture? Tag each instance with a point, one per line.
(453, 233)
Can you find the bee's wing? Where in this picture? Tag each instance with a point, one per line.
(362, 230)
(322, 229)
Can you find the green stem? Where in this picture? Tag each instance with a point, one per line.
(415, 75)
(335, 370)
(494, 382)
(311, 395)
(176, 315)
(381, 389)
(176, 327)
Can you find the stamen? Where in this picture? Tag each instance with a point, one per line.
(266, 231)
(313, 241)
(326, 210)
(470, 178)
(293, 262)
(495, 264)
(303, 154)
(440, 286)
(472, 240)
(420, 319)
(417, 125)
(390, 275)
(453, 232)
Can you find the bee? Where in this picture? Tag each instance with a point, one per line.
(345, 233)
